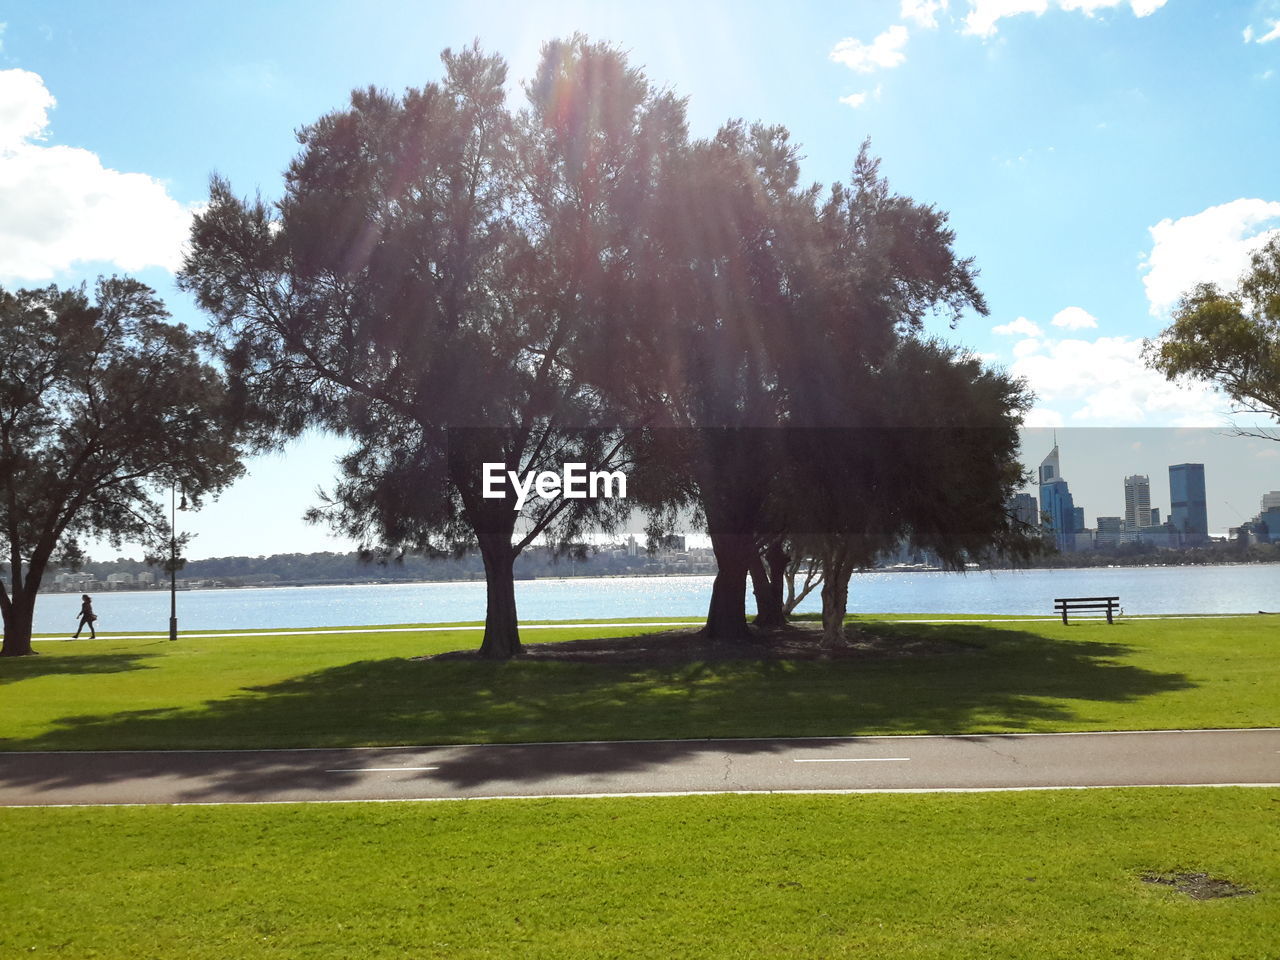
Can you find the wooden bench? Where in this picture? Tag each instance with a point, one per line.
(1063, 604)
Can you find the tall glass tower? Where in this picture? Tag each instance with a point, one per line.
(1188, 506)
(1056, 505)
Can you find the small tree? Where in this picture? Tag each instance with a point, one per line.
(102, 404)
(932, 462)
(1230, 338)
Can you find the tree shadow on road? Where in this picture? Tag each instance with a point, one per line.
(991, 681)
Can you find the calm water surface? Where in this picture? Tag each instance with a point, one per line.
(1142, 590)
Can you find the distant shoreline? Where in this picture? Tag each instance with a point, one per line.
(293, 584)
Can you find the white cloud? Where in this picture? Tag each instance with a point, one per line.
(1248, 34)
(856, 100)
(1272, 34)
(1212, 246)
(24, 108)
(883, 52)
(985, 14)
(1104, 382)
(1088, 7)
(1039, 416)
(1074, 318)
(1022, 326)
(62, 206)
(1025, 348)
(923, 12)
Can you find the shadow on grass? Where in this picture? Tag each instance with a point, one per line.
(986, 680)
(14, 669)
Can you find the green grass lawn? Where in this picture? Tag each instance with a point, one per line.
(1009, 875)
(334, 689)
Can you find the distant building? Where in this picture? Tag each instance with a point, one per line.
(1077, 519)
(1110, 531)
(1155, 517)
(1137, 502)
(1188, 505)
(1056, 505)
(1024, 509)
(146, 578)
(1268, 522)
(1163, 537)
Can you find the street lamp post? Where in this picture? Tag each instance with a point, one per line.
(173, 558)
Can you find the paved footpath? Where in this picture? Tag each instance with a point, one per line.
(846, 764)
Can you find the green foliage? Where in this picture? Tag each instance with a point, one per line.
(434, 284)
(1229, 338)
(103, 404)
(1029, 876)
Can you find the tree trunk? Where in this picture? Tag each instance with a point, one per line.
(19, 615)
(835, 604)
(768, 575)
(837, 570)
(727, 615)
(501, 626)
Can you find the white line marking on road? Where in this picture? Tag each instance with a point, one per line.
(852, 760)
(681, 793)
(376, 769)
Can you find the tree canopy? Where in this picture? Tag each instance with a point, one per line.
(434, 282)
(103, 403)
(449, 282)
(1230, 338)
(780, 302)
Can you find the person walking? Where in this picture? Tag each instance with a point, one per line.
(87, 616)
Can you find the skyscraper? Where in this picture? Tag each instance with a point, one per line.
(1109, 529)
(1056, 505)
(1137, 502)
(1188, 509)
(1024, 510)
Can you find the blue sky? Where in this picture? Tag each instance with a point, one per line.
(1097, 157)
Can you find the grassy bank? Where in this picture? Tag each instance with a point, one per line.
(335, 689)
(1021, 875)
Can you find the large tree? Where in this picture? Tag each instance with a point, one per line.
(1230, 338)
(777, 295)
(437, 282)
(103, 404)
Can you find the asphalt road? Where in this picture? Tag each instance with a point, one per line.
(988, 762)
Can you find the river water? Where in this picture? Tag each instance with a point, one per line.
(1142, 590)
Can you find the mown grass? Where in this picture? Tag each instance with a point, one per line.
(336, 689)
(1011, 875)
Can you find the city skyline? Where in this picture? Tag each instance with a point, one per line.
(262, 514)
(1238, 471)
